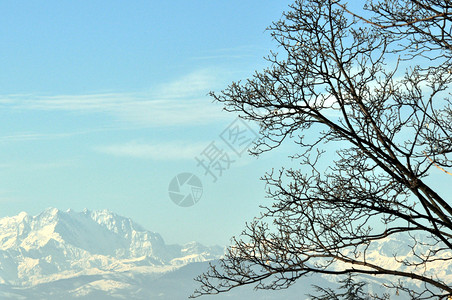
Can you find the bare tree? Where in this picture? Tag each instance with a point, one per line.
(365, 97)
(353, 291)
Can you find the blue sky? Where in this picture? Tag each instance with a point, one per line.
(104, 102)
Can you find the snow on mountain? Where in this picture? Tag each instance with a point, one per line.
(100, 255)
(57, 245)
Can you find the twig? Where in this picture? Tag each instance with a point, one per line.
(436, 164)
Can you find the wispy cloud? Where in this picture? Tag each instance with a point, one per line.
(181, 102)
(239, 52)
(31, 136)
(222, 56)
(191, 85)
(38, 166)
(177, 150)
(34, 136)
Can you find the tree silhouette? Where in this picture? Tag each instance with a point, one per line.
(353, 291)
(364, 95)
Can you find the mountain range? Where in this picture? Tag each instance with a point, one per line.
(101, 255)
(90, 251)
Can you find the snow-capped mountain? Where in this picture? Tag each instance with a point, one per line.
(100, 255)
(56, 245)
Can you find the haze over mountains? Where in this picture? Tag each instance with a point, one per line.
(106, 250)
(100, 255)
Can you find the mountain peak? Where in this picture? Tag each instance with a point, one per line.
(54, 243)
(51, 210)
(22, 215)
